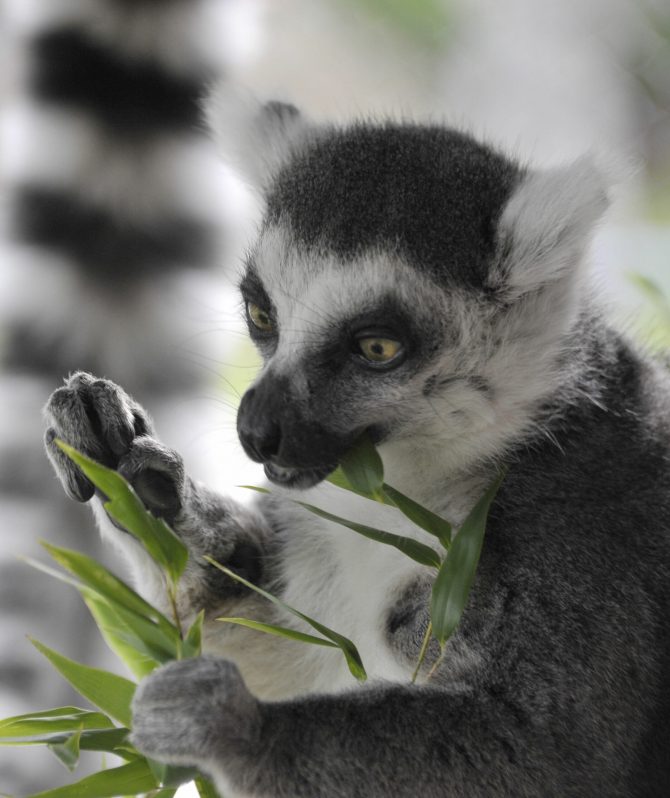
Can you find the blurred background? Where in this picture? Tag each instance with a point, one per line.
(121, 228)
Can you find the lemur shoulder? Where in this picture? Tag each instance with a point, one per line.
(412, 283)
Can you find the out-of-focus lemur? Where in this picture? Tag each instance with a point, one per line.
(413, 283)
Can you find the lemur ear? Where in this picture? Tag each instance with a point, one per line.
(546, 226)
(255, 138)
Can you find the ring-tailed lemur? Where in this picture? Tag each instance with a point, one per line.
(413, 283)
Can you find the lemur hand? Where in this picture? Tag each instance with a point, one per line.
(99, 419)
(195, 711)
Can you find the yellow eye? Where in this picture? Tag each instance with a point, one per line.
(379, 350)
(260, 318)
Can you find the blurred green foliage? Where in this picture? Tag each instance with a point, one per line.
(654, 319)
(428, 21)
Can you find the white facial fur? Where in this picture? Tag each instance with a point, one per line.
(493, 366)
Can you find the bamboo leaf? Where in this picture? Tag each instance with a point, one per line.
(171, 775)
(68, 751)
(205, 788)
(420, 515)
(125, 507)
(114, 741)
(52, 721)
(363, 469)
(107, 585)
(192, 645)
(133, 778)
(137, 641)
(279, 631)
(121, 639)
(418, 552)
(344, 644)
(111, 693)
(454, 580)
(410, 548)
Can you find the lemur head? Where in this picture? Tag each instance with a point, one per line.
(406, 281)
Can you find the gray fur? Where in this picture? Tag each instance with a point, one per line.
(557, 682)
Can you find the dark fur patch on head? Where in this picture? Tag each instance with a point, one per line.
(431, 194)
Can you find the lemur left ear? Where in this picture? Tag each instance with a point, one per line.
(255, 138)
(546, 226)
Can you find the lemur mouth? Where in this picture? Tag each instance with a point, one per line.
(299, 478)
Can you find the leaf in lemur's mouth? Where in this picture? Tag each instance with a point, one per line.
(361, 470)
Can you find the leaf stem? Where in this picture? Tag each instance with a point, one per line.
(172, 598)
(436, 664)
(422, 653)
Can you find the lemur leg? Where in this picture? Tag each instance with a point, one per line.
(101, 420)
(374, 742)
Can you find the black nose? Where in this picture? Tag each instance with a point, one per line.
(258, 427)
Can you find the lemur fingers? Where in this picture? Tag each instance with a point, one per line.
(99, 419)
(194, 711)
(96, 417)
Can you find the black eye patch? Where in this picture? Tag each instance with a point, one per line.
(253, 290)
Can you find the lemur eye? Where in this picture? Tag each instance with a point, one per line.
(260, 318)
(379, 350)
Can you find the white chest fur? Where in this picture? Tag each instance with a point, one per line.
(339, 578)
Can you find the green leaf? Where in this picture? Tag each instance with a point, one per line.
(115, 634)
(410, 548)
(108, 621)
(192, 645)
(131, 779)
(107, 585)
(52, 721)
(344, 644)
(205, 788)
(138, 641)
(171, 775)
(130, 637)
(114, 741)
(420, 515)
(67, 752)
(125, 507)
(279, 631)
(363, 469)
(111, 693)
(454, 580)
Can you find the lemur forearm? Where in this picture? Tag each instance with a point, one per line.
(359, 743)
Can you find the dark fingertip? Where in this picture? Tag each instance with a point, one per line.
(140, 424)
(119, 440)
(79, 488)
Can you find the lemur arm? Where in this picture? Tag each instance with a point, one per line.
(373, 742)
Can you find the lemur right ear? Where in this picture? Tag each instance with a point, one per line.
(255, 138)
(546, 226)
